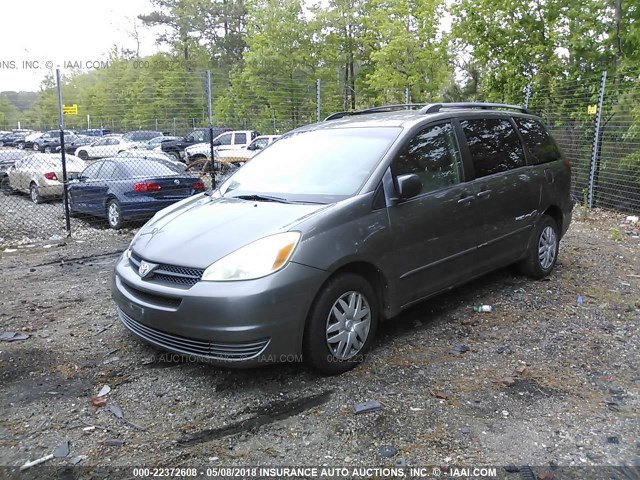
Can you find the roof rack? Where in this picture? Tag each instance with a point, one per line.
(436, 107)
(383, 108)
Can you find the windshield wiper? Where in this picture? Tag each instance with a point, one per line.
(262, 198)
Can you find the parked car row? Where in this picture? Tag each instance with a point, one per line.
(130, 186)
(120, 177)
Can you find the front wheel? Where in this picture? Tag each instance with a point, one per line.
(20, 146)
(36, 147)
(543, 252)
(341, 325)
(83, 155)
(114, 214)
(47, 149)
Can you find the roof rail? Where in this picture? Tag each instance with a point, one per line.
(436, 107)
(383, 108)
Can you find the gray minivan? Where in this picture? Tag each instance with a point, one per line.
(342, 224)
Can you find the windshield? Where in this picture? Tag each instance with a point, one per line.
(318, 165)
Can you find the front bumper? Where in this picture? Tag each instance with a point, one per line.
(240, 323)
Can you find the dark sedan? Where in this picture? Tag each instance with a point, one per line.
(121, 189)
(78, 141)
(50, 141)
(12, 139)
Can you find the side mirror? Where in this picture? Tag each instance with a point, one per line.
(253, 146)
(73, 176)
(408, 186)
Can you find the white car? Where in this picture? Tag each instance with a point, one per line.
(233, 140)
(243, 154)
(107, 146)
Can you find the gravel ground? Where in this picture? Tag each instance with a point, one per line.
(551, 375)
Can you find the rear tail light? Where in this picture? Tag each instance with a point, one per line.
(567, 164)
(198, 185)
(146, 187)
(50, 176)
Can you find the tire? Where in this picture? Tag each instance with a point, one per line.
(1, 143)
(20, 146)
(36, 147)
(83, 155)
(114, 215)
(321, 348)
(34, 193)
(47, 149)
(5, 186)
(543, 252)
(175, 155)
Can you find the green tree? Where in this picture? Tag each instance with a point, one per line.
(408, 50)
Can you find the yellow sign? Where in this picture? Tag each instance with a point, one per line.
(592, 109)
(70, 109)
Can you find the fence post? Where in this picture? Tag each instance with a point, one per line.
(527, 95)
(212, 166)
(317, 100)
(407, 96)
(595, 148)
(65, 186)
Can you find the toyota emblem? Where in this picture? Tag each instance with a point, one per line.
(145, 269)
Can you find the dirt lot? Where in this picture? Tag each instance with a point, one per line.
(546, 381)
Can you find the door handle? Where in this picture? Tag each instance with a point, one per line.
(466, 200)
(484, 194)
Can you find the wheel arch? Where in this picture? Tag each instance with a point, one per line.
(554, 212)
(372, 274)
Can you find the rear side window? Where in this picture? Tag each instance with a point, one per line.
(241, 138)
(540, 144)
(494, 145)
(108, 170)
(433, 155)
(92, 170)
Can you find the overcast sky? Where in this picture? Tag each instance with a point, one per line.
(64, 31)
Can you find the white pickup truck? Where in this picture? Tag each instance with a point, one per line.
(226, 141)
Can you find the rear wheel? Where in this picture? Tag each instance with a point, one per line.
(34, 193)
(341, 325)
(175, 155)
(114, 214)
(5, 186)
(543, 252)
(47, 149)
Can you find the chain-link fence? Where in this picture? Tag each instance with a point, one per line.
(138, 140)
(597, 123)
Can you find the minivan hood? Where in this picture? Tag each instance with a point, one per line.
(202, 230)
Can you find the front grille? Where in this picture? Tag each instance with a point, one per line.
(230, 352)
(186, 276)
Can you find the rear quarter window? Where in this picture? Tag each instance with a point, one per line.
(539, 142)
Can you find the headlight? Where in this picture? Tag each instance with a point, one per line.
(258, 259)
